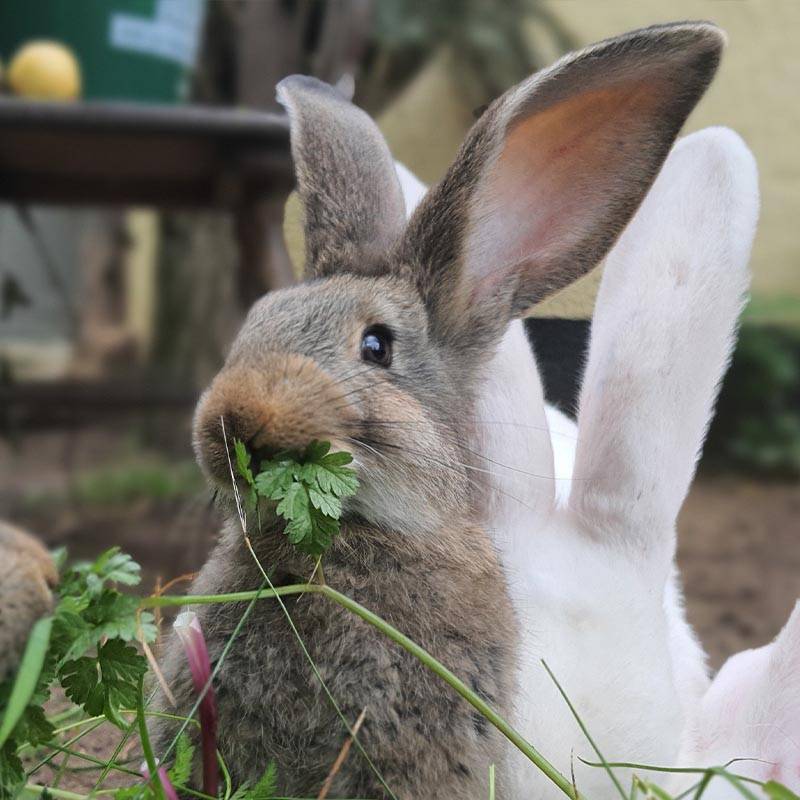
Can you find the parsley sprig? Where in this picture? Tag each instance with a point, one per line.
(88, 652)
(308, 489)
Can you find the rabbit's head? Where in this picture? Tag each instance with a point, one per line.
(380, 349)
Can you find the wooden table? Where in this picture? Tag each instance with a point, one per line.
(101, 154)
(154, 155)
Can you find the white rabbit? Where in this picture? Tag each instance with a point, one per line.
(750, 712)
(595, 583)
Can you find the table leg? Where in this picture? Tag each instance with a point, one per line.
(264, 263)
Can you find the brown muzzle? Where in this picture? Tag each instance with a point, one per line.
(285, 404)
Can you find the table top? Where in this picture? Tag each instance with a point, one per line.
(139, 154)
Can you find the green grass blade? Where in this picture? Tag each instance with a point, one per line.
(586, 733)
(144, 736)
(27, 676)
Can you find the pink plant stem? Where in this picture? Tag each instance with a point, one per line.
(187, 626)
(169, 789)
(166, 784)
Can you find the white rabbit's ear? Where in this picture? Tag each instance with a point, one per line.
(550, 174)
(412, 187)
(346, 179)
(751, 712)
(662, 334)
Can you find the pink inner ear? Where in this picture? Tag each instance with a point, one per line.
(558, 175)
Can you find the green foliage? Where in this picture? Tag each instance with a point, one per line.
(308, 490)
(122, 484)
(757, 425)
(264, 788)
(125, 485)
(87, 654)
(106, 682)
(491, 43)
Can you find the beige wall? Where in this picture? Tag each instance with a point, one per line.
(757, 92)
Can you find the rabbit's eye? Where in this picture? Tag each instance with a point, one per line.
(376, 345)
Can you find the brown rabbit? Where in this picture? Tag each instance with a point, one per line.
(27, 576)
(380, 352)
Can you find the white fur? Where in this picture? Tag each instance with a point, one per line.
(752, 712)
(593, 579)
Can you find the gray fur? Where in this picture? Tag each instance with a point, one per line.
(345, 175)
(412, 549)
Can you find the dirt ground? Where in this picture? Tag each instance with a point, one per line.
(739, 554)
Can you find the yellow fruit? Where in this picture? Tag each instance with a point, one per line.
(45, 70)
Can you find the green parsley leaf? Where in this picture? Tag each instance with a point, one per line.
(243, 459)
(12, 773)
(308, 491)
(264, 788)
(181, 769)
(274, 479)
(106, 683)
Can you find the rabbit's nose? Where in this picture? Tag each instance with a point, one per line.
(282, 406)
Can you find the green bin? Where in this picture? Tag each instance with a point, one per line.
(141, 50)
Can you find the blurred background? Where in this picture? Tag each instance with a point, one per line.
(144, 179)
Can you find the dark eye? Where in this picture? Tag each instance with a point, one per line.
(376, 345)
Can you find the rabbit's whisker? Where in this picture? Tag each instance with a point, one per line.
(456, 441)
(454, 467)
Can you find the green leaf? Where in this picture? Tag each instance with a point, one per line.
(12, 773)
(113, 616)
(777, 791)
(107, 683)
(114, 566)
(181, 769)
(295, 503)
(27, 678)
(243, 459)
(308, 493)
(264, 788)
(274, 479)
(338, 459)
(33, 727)
(316, 451)
(330, 477)
(80, 681)
(138, 792)
(328, 504)
(298, 530)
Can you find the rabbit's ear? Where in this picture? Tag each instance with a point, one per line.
(662, 334)
(346, 179)
(751, 712)
(550, 174)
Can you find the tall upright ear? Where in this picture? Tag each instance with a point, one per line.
(550, 174)
(351, 195)
(663, 330)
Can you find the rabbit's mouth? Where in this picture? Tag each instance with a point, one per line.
(267, 415)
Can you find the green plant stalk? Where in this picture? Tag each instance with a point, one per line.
(396, 636)
(27, 676)
(585, 731)
(152, 766)
(60, 794)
